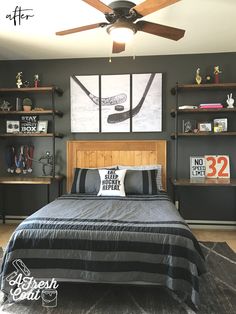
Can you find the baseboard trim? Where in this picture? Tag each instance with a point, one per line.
(212, 224)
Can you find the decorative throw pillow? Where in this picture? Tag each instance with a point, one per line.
(148, 167)
(86, 181)
(141, 182)
(112, 182)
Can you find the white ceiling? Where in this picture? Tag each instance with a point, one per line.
(210, 27)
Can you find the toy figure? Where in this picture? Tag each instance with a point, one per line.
(216, 73)
(36, 80)
(198, 78)
(208, 79)
(5, 106)
(230, 101)
(48, 166)
(19, 79)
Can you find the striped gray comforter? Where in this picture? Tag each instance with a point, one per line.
(132, 239)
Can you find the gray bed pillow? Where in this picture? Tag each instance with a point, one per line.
(141, 182)
(86, 181)
(147, 167)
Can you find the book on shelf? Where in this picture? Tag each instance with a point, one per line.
(211, 106)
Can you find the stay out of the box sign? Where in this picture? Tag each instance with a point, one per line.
(210, 166)
(27, 124)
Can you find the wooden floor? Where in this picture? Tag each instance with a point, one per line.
(202, 235)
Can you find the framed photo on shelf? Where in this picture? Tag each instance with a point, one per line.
(220, 125)
(42, 126)
(13, 126)
(189, 126)
(204, 126)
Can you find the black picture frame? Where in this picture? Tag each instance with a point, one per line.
(189, 125)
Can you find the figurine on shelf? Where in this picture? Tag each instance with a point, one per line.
(230, 101)
(208, 79)
(5, 106)
(36, 80)
(48, 166)
(198, 78)
(19, 79)
(26, 84)
(216, 73)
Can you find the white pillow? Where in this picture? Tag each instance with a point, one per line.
(147, 167)
(112, 182)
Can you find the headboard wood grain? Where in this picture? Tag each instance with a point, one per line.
(96, 154)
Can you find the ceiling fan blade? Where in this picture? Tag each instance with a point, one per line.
(99, 6)
(80, 29)
(150, 6)
(160, 30)
(118, 47)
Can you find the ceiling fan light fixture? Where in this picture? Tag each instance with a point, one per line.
(121, 32)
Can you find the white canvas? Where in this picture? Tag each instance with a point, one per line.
(84, 112)
(149, 117)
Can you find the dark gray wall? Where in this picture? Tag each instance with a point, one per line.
(196, 203)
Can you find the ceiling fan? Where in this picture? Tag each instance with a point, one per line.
(121, 15)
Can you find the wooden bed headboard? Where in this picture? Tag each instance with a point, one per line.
(96, 154)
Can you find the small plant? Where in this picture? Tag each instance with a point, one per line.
(27, 102)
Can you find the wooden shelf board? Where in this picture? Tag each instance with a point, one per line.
(32, 89)
(32, 112)
(29, 180)
(29, 135)
(207, 86)
(205, 110)
(208, 134)
(204, 182)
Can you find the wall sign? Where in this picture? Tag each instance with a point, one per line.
(116, 103)
(197, 167)
(217, 166)
(28, 124)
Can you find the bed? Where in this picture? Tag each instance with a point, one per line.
(139, 238)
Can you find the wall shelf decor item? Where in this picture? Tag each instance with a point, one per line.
(197, 167)
(28, 124)
(42, 126)
(13, 126)
(116, 103)
(217, 166)
(204, 126)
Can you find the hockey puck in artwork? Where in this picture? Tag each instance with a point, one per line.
(119, 107)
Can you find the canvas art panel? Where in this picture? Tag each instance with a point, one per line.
(84, 103)
(115, 93)
(147, 102)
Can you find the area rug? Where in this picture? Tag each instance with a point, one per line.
(217, 293)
